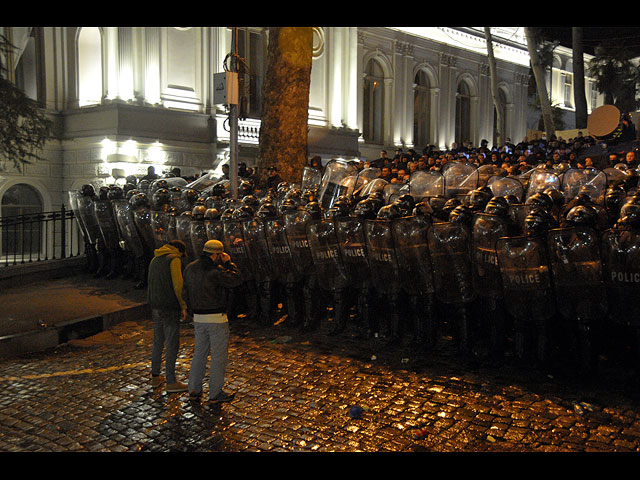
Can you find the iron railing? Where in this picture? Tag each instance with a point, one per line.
(39, 237)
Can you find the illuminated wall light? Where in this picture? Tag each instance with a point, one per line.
(129, 148)
(108, 147)
(156, 154)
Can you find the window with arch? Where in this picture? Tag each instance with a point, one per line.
(373, 103)
(421, 110)
(21, 238)
(463, 113)
(30, 64)
(252, 50)
(89, 66)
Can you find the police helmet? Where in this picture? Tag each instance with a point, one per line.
(139, 200)
(582, 215)
(243, 212)
(190, 195)
(314, 209)
(365, 209)
(288, 205)
(115, 193)
(479, 198)
(87, 190)
(462, 214)
(199, 211)
(540, 199)
(250, 200)
(631, 220)
(267, 210)
(389, 212)
(422, 209)
(212, 214)
(498, 205)
(557, 198)
(405, 202)
(536, 222)
(161, 197)
(227, 214)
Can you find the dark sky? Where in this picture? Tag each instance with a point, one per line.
(628, 37)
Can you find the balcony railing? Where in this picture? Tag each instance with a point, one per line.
(39, 237)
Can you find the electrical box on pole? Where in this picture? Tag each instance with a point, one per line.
(225, 88)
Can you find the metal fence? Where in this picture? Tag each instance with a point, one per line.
(39, 237)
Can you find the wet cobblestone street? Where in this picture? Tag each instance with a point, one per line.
(294, 393)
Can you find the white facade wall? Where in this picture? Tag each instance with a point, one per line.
(156, 106)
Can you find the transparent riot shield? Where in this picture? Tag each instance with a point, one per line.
(392, 191)
(485, 172)
(517, 213)
(295, 226)
(235, 245)
(539, 181)
(615, 175)
(142, 221)
(576, 267)
(213, 229)
(282, 259)
(504, 186)
(203, 183)
(85, 207)
(460, 178)
(106, 221)
(74, 195)
(589, 180)
(426, 184)
(198, 236)
(159, 221)
(526, 279)
(124, 218)
(486, 231)
(335, 181)
(449, 246)
(412, 250)
(258, 249)
(375, 185)
(353, 249)
(323, 242)
(310, 177)
(183, 233)
(383, 262)
(365, 176)
(621, 269)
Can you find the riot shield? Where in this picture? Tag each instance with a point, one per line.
(258, 249)
(392, 191)
(365, 176)
(425, 184)
(541, 180)
(485, 172)
(295, 226)
(159, 221)
(589, 180)
(576, 267)
(621, 267)
(504, 186)
(350, 233)
(412, 250)
(213, 229)
(74, 195)
(460, 178)
(335, 181)
(375, 185)
(85, 207)
(183, 233)
(487, 229)
(106, 221)
(526, 279)
(142, 221)
(383, 262)
(235, 245)
(615, 175)
(323, 242)
(280, 253)
(198, 236)
(449, 245)
(124, 218)
(310, 177)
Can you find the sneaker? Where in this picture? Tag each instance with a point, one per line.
(157, 380)
(176, 387)
(222, 397)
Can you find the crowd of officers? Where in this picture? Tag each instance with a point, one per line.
(396, 302)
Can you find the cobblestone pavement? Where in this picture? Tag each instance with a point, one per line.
(295, 392)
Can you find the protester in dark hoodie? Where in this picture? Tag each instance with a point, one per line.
(164, 296)
(205, 291)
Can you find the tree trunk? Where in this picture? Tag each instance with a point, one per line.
(579, 95)
(285, 111)
(494, 86)
(538, 73)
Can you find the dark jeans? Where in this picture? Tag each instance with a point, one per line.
(166, 335)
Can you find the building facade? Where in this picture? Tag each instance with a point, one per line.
(126, 98)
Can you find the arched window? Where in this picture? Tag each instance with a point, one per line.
(21, 237)
(29, 65)
(373, 107)
(252, 49)
(421, 109)
(463, 114)
(89, 66)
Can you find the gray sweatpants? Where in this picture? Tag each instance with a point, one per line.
(209, 338)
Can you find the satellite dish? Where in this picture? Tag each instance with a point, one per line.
(603, 120)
